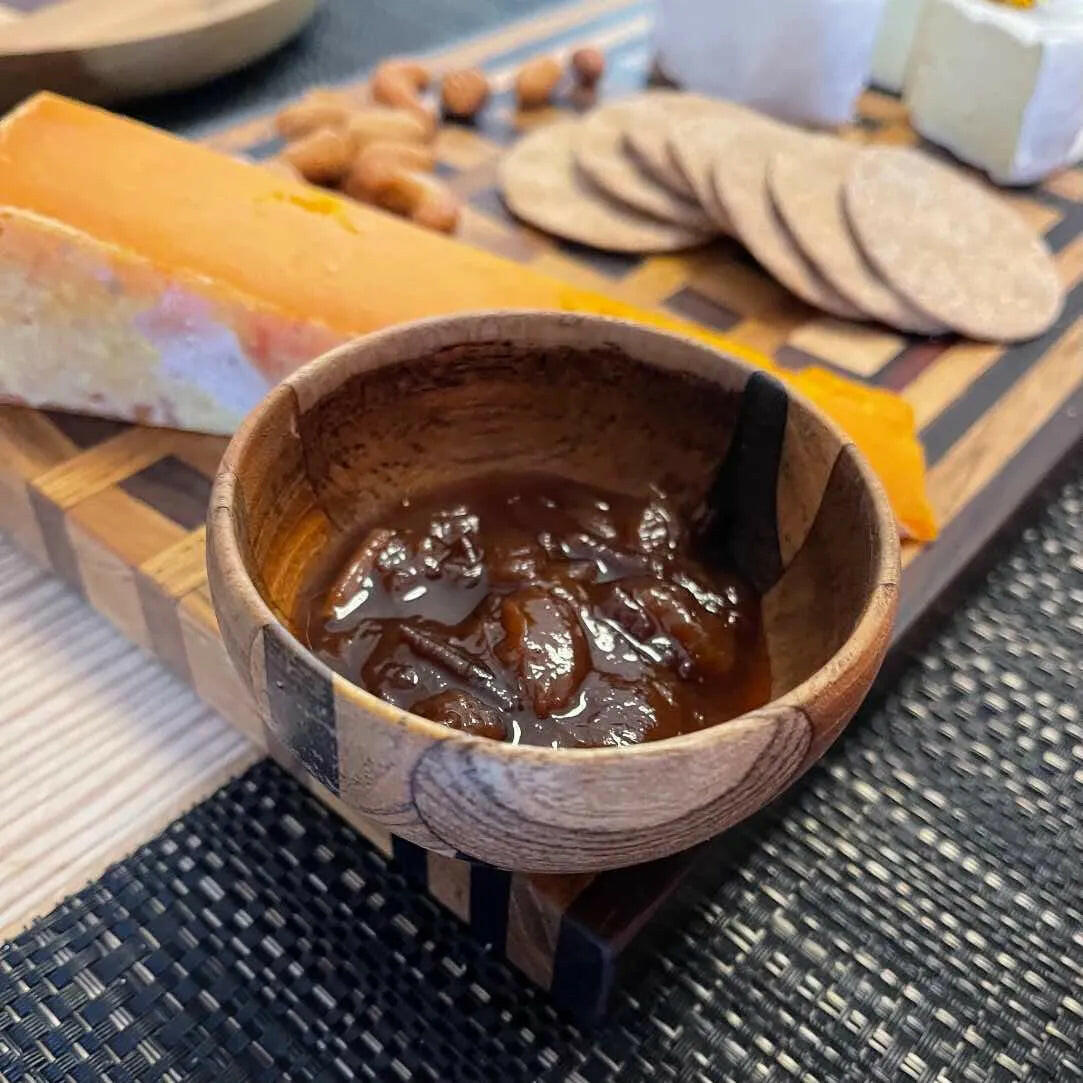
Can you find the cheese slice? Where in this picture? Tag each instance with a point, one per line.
(151, 279)
(96, 328)
(1001, 87)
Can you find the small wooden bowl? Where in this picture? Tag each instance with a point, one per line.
(599, 400)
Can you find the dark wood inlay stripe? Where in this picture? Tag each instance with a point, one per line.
(1068, 228)
(170, 486)
(83, 430)
(412, 859)
(741, 519)
(689, 302)
(952, 423)
(602, 922)
(912, 362)
(585, 965)
(54, 531)
(967, 536)
(163, 625)
(489, 891)
(793, 357)
(615, 265)
(301, 702)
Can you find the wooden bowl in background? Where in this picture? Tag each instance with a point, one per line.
(604, 401)
(110, 50)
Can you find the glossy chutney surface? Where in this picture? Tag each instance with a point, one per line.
(539, 610)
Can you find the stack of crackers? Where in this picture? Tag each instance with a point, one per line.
(862, 233)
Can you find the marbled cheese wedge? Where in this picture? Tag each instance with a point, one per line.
(96, 328)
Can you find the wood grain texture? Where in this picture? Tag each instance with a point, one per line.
(600, 400)
(536, 908)
(106, 50)
(975, 459)
(448, 882)
(110, 584)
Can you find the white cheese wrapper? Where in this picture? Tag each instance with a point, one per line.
(893, 43)
(801, 60)
(1000, 87)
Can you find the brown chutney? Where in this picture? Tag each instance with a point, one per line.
(539, 610)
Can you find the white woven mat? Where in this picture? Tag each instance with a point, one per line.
(100, 747)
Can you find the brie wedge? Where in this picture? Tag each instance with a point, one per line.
(1000, 87)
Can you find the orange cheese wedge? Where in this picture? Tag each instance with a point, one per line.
(157, 280)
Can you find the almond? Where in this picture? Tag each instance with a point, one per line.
(374, 165)
(322, 156)
(588, 66)
(536, 81)
(317, 109)
(463, 93)
(379, 122)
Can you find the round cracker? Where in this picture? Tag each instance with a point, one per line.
(950, 247)
(740, 179)
(648, 137)
(806, 186)
(601, 155)
(648, 143)
(693, 145)
(541, 185)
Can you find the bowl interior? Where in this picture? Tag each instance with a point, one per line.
(342, 441)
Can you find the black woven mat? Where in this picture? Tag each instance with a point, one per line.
(911, 911)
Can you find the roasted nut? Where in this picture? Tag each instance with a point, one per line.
(419, 156)
(322, 156)
(374, 165)
(381, 123)
(394, 71)
(463, 93)
(536, 81)
(418, 196)
(587, 65)
(423, 120)
(399, 83)
(395, 91)
(404, 190)
(440, 213)
(317, 109)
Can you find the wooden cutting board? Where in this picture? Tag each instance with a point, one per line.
(108, 50)
(118, 510)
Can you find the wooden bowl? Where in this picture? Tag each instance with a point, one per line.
(110, 50)
(599, 400)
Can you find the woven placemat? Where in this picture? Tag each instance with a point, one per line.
(912, 910)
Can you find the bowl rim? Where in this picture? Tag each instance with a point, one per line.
(847, 658)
